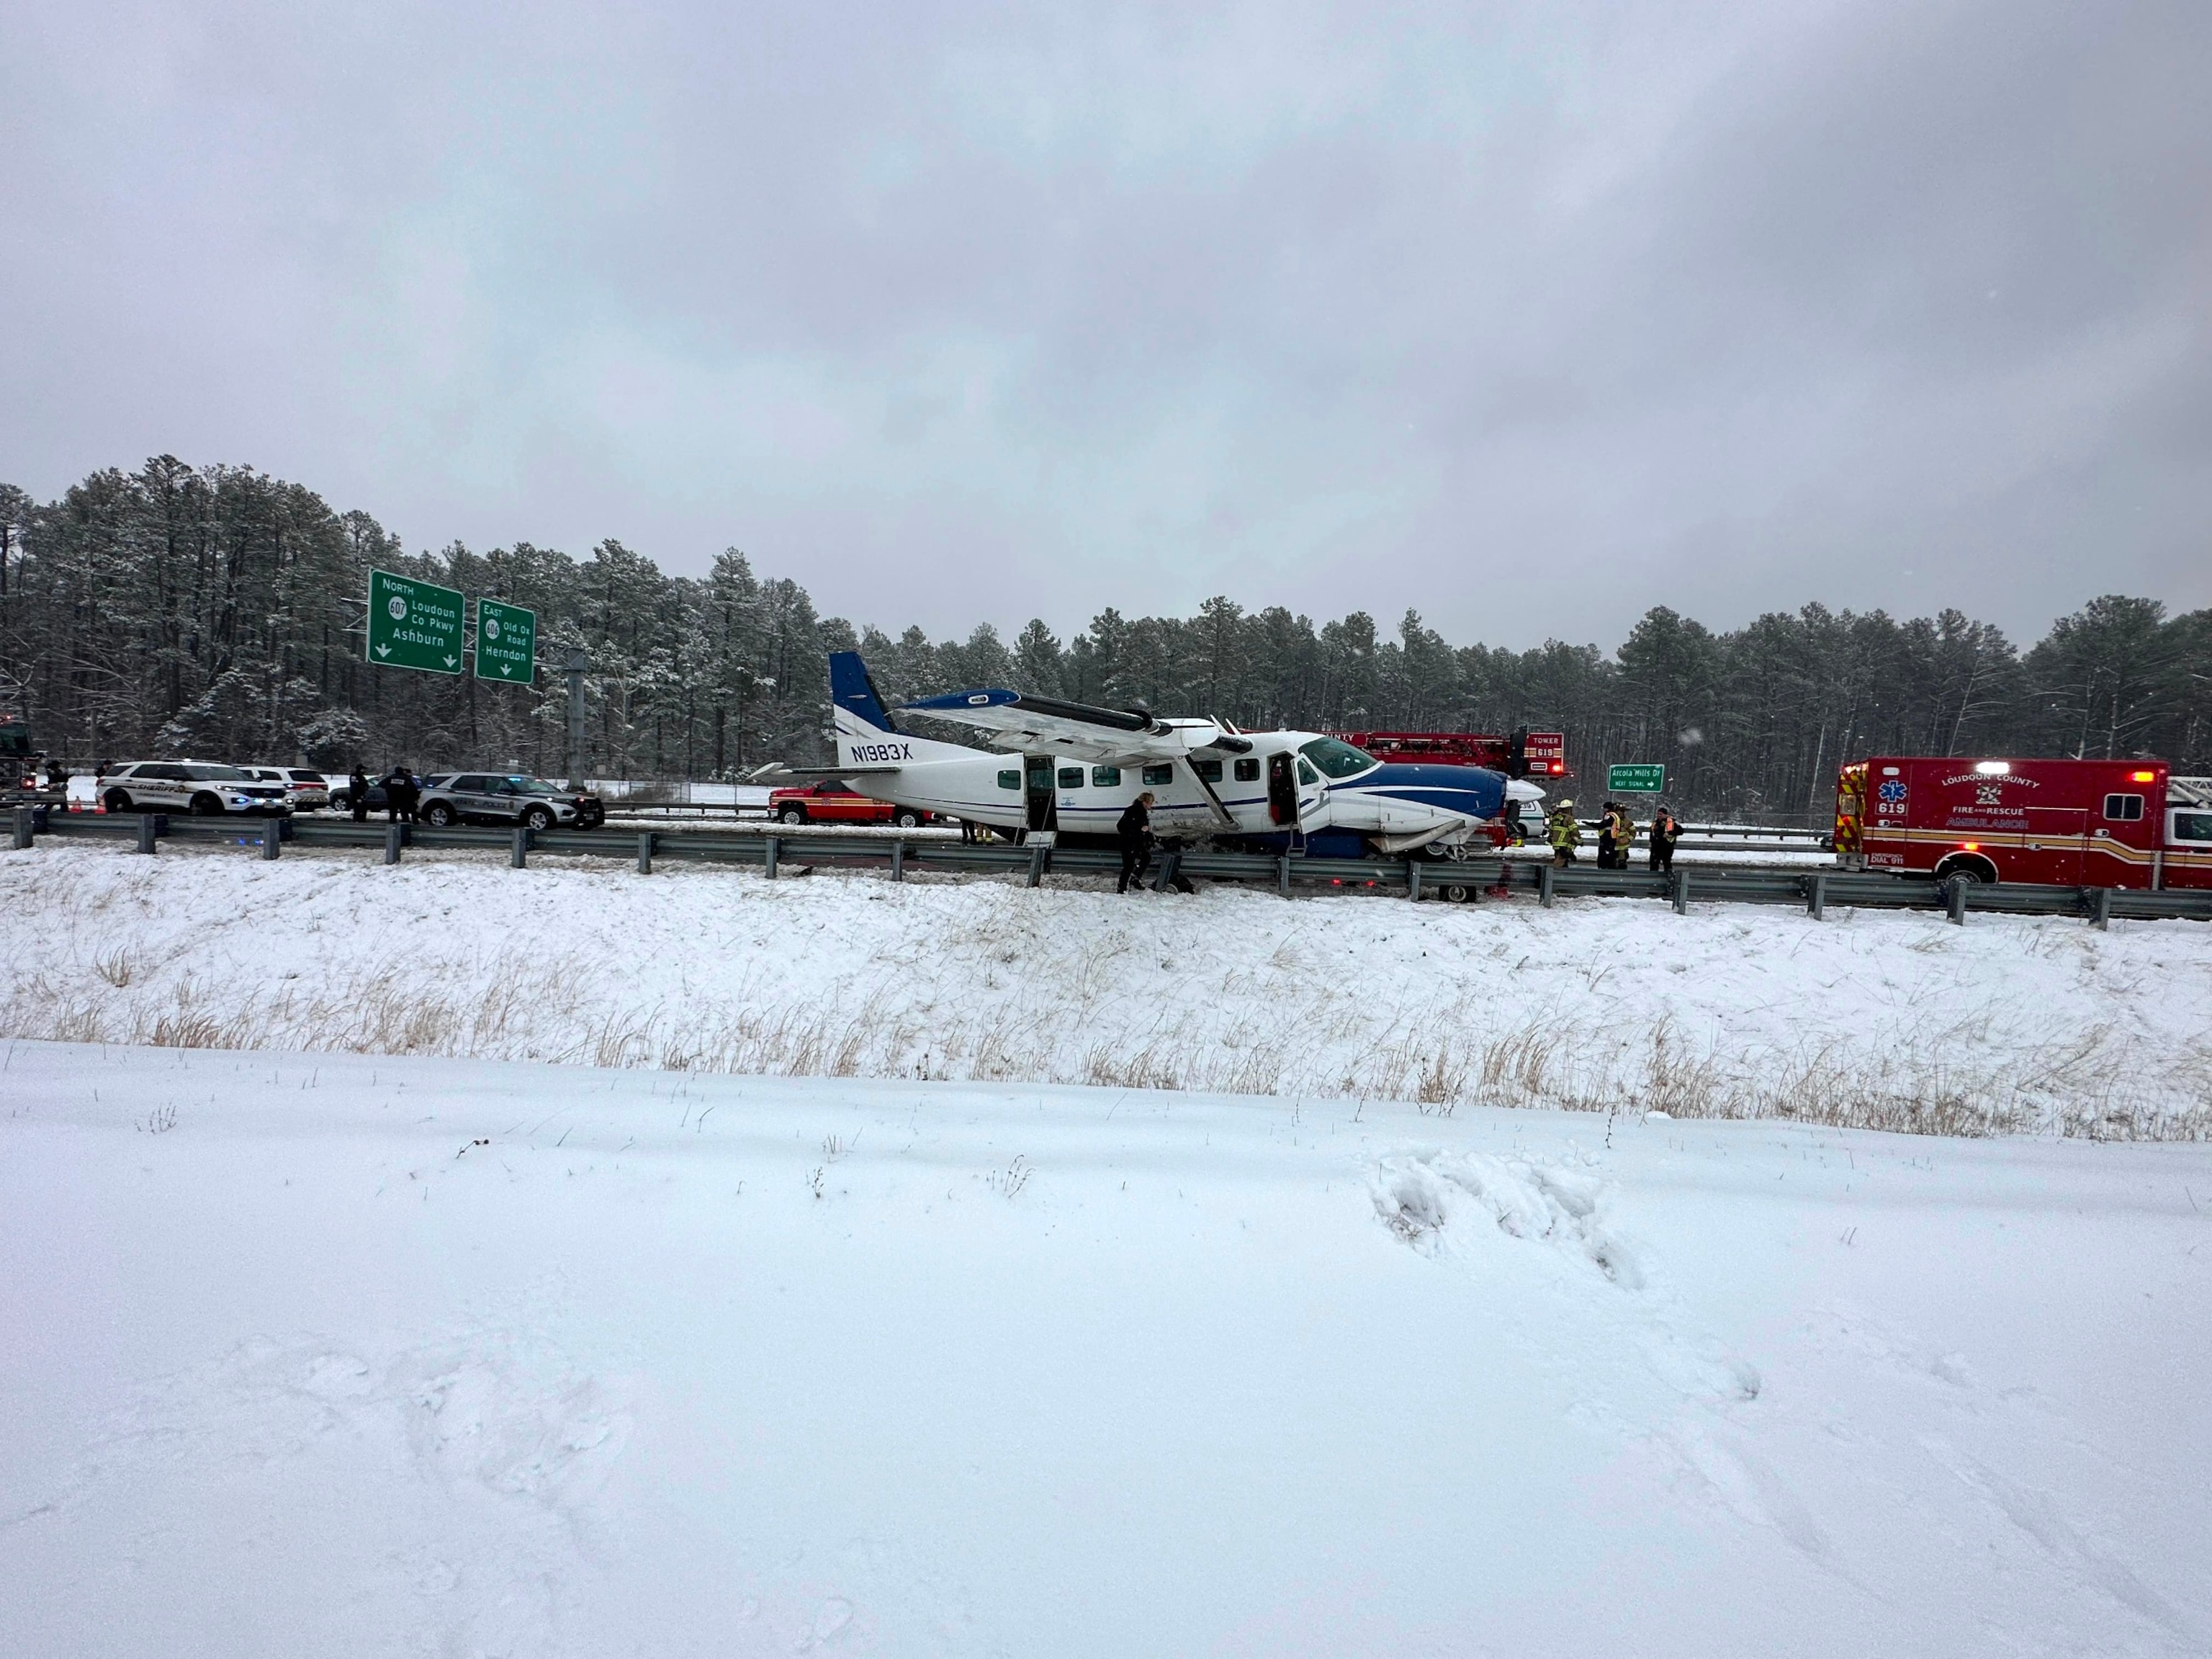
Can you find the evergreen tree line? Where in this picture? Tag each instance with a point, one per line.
(215, 612)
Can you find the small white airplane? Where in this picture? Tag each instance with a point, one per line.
(1071, 770)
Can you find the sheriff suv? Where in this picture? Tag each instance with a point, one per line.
(203, 789)
(491, 798)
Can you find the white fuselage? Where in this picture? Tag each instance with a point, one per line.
(1271, 788)
(1041, 790)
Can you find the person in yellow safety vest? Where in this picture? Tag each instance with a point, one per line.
(1564, 833)
(1624, 836)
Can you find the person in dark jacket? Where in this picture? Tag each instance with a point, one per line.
(1666, 830)
(399, 793)
(1605, 821)
(357, 792)
(1134, 830)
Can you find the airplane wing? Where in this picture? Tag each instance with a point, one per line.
(1032, 725)
(815, 773)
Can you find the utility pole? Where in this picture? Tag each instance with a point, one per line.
(578, 664)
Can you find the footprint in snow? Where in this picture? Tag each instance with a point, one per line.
(1423, 1196)
(1417, 1194)
(829, 1620)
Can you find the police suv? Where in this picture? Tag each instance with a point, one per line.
(492, 798)
(203, 789)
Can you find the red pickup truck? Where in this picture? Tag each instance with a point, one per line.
(831, 802)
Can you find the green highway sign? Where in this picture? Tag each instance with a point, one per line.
(1635, 780)
(414, 625)
(506, 642)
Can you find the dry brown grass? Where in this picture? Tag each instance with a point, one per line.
(1930, 1078)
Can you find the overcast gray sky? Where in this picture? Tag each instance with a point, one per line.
(1530, 316)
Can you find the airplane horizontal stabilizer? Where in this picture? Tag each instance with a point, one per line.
(818, 773)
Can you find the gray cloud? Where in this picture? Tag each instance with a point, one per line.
(1530, 318)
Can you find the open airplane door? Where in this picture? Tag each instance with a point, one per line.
(1282, 791)
(1042, 803)
(1313, 796)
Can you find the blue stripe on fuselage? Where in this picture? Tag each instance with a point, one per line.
(1476, 790)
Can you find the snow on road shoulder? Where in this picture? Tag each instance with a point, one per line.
(1871, 1018)
(325, 1353)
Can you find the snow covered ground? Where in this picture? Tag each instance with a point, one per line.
(1868, 1019)
(341, 1354)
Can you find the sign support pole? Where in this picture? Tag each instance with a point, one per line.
(578, 664)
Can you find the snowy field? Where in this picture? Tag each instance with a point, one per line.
(1867, 1018)
(337, 1355)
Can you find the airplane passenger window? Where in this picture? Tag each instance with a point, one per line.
(1208, 769)
(1071, 777)
(1010, 780)
(1160, 775)
(1247, 770)
(2123, 809)
(1106, 777)
(1337, 760)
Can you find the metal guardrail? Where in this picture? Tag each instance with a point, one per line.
(1467, 880)
(681, 810)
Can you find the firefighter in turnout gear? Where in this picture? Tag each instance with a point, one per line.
(1564, 833)
(1623, 829)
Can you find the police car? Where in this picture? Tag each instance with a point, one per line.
(509, 798)
(203, 789)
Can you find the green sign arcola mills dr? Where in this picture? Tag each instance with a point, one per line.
(414, 625)
(506, 642)
(1635, 780)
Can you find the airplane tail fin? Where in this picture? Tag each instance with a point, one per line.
(865, 735)
(851, 691)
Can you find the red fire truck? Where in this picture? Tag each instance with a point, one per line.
(2069, 822)
(1522, 754)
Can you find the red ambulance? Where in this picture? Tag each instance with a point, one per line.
(2065, 823)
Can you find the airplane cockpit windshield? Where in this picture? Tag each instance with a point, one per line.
(1337, 760)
